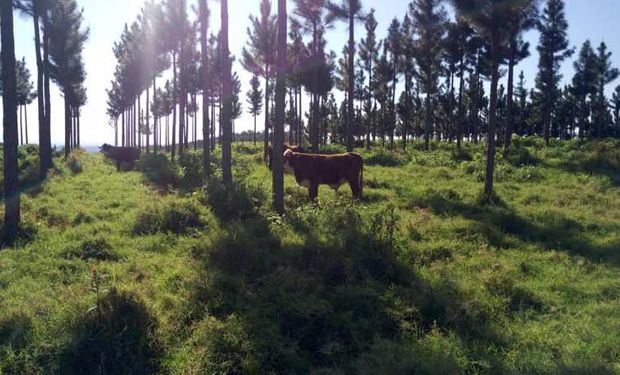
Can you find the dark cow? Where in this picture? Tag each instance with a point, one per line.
(312, 170)
(285, 147)
(121, 154)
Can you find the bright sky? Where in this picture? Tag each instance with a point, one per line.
(595, 20)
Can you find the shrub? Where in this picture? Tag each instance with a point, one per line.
(171, 217)
(461, 154)
(74, 164)
(159, 170)
(520, 156)
(386, 159)
(120, 338)
(191, 170)
(240, 200)
(96, 249)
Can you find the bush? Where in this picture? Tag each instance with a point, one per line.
(171, 217)
(118, 337)
(95, 249)
(520, 156)
(159, 170)
(386, 158)
(74, 164)
(239, 201)
(191, 170)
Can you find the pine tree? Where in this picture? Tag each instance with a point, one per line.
(584, 86)
(278, 134)
(553, 48)
(67, 38)
(259, 56)
(226, 123)
(255, 101)
(429, 18)
(369, 53)
(9, 107)
(349, 11)
(488, 19)
(524, 15)
(605, 74)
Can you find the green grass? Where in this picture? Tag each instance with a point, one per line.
(130, 273)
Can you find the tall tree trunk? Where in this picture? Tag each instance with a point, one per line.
(67, 125)
(148, 125)
(21, 124)
(490, 163)
(266, 132)
(9, 105)
(429, 122)
(156, 121)
(46, 136)
(255, 129)
(123, 128)
(226, 97)
(182, 83)
(459, 120)
(509, 98)
(174, 105)
(278, 131)
(45, 147)
(349, 124)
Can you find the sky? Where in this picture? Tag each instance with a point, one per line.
(596, 20)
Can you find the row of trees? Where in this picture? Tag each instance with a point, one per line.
(426, 79)
(59, 39)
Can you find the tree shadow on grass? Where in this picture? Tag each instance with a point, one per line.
(117, 338)
(319, 305)
(502, 224)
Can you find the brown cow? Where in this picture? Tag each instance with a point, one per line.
(285, 147)
(121, 154)
(312, 170)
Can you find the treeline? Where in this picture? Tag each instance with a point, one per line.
(59, 38)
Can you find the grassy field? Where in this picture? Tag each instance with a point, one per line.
(140, 273)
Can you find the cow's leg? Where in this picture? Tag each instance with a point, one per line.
(355, 188)
(313, 190)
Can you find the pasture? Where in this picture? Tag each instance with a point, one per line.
(147, 271)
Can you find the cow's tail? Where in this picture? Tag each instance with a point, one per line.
(362, 180)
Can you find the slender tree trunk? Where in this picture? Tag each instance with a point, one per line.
(67, 126)
(155, 119)
(278, 131)
(429, 122)
(21, 124)
(174, 104)
(509, 98)
(266, 131)
(45, 148)
(182, 94)
(9, 105)
(349, 124)
(148, 125)
(490, 163)
(123, 128)
(46, 135)
(226, 97)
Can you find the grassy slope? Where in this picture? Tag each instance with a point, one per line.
(419, 277)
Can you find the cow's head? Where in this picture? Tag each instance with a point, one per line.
(288, 158)
(105, 148)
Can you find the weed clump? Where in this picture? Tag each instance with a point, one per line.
(93, 249)
(159, 170)
(238, 201)
(118, 337)
(168, 217)
(191, 171)
(386, 158)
